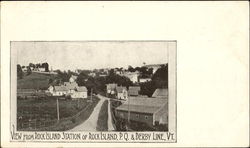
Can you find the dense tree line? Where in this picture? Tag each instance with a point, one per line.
(159, 80)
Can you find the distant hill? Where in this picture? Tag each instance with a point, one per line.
(35, 81)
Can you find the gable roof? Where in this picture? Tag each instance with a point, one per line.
(134, 90)
(69, 85)
(73, 77)
(60, 88)
(143, 104)
(160, 92)
(120, 89)
(81, 89)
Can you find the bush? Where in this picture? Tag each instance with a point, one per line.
(73, 120)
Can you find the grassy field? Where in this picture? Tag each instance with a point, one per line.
(41, 114)
(34, 81)
(102, 122)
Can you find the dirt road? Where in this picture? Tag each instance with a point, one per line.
(91, 123)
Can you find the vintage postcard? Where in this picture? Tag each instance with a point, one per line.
(109, 91)
(124, 74)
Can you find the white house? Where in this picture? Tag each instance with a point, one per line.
(72, 79)
(69, 89)
(81, 92)
(111, 88)
(59, 91)
(133, 76)
(122, 93)
(142, 80)
(42, 69)
(155, 67)
(51, 89)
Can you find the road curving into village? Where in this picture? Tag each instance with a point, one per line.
(91, 123)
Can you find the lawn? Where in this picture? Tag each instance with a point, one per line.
(102, 122)
(41, 114)
(34, 81)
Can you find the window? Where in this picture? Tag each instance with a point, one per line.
(146, 117)
(137, 115)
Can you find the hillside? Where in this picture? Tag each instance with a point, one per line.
(35, 81)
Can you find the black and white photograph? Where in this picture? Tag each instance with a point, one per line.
(91, 86)
(124, 74)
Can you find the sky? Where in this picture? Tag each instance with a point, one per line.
(90, 55)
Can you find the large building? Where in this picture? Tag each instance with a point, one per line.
(151, 111)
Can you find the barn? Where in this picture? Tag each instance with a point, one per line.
(151, 111)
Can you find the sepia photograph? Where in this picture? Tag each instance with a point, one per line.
(91, 85)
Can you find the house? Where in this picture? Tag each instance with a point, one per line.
(69, 89)
(133, 90)
(133, 76)
(72, 78)
(81, 92)
(155, 67)
(42, 69)
(160, 92)
(60, 90)
(92, 74)
(50, 89)
(142, 80)
(71, 86)
(24, 68)
(144, 110)
(111, 88)
(122, 93)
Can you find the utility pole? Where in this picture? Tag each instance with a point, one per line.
(57, 106)
(128, 111)
(91, 94)
(78, 103)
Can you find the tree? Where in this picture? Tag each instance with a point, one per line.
(19, 71)
(50, 81)
(131, 69)
(28, 70)
(32, 65)
(161, 77)
(159, 80)
(80, 80)
(46, 66)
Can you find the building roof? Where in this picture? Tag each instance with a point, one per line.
(134, 90)
(111, 86)
(69, 85)
(142, 104)
(138, 108)
(74, 77)
(160, 92)
(153, 65)
(82, 89)
(120, 89)
(60, 88)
